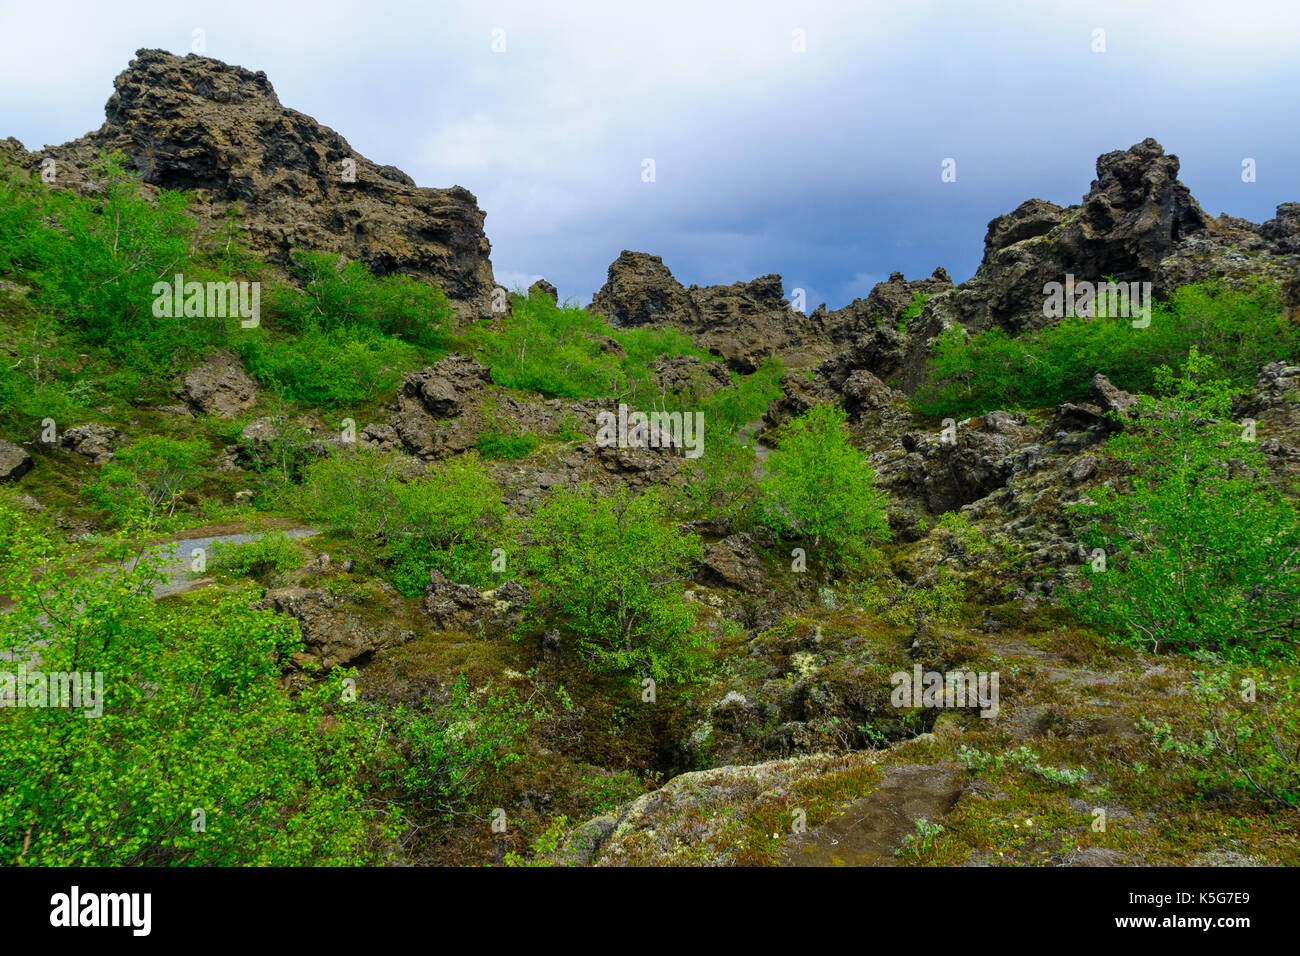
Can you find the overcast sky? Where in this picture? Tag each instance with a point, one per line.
(822, 165)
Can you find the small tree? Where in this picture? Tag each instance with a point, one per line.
(416, 524)
(615, 568)
(1201, 552)
(148, 477)
(820, 487)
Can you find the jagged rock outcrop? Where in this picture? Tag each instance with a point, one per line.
(955, 468)
(1274, 405)
(451, 606)
(543, 288)
(688, 375)
(744, 323)
(876, 325)
(1137, 223)
(431, 398)
(196, 123)
(95, 441)
(1133, 216)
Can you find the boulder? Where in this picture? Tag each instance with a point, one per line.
(219, 386)
(744, 322)
(14, 461)
(1109, 398)
(431, 396)
(337, 629)
(689, 375)
(735, 563)
(542, 288)
(451, 606)
(93, 441)
(987, 451)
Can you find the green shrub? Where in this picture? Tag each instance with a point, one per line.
(269, 552)
(720, 484)
(562, 351)
(282, 454)
(341, 295)
(919, 299)
(336, 367)
(442, 521)
(937, 595)
(147, 477)
(451, 751)
(1246, 735)
(1200, 552)
(1241, 329)
(821, 488)
(728, 410)
(94, 260)
(192, 718)
(551, 349)
(614, 568)
(445, 522)
(499, 445)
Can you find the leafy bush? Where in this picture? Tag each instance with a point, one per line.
(1241, 329)
(551, 349)
(820, 487)
(615, 568)
(919, 299)
(194, 727)
(1201, 552)
(451, 751)
(94, 259)
(728, 410)
(1246, 735)
(1023, 758)
(340, 366)
(562, 351)
(339, 295)
(282, 454)
(442, 521)
(937, 596)
(148, 476)
(35, 376)
(720, 484)
(500, 445)
(271, 551)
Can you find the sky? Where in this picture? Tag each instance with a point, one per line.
(802, 138)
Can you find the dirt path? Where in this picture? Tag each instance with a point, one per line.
(872, 828)
(178, 555)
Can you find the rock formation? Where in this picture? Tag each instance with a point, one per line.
(196, 123)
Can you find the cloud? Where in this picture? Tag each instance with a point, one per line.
(821, 164)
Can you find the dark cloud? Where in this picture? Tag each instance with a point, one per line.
(822, 166)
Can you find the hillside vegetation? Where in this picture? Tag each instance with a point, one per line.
(396, 603)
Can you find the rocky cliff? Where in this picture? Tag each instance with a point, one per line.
(196, 123)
